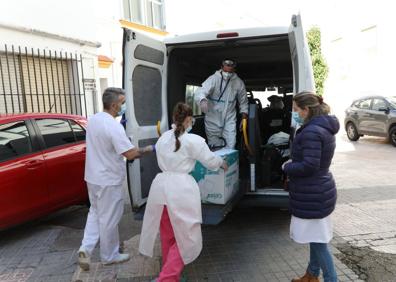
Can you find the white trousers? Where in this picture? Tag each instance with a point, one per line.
(107, 207)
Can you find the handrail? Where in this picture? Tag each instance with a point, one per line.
(159, 128)
(245, 136)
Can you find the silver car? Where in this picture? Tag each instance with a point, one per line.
(372, 115)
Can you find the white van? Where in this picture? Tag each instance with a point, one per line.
(159, 73)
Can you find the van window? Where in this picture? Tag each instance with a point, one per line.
(149, 54)
(14, 140)
(147, 92)
(190, 91)
(56, 132)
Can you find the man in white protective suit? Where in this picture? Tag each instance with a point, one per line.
(218, 98)
(105, 171)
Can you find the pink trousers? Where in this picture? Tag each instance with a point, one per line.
(172, 263)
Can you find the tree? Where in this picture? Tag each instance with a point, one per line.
(320, 68)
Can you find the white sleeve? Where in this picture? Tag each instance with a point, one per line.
(205, 156)
(207, 89)
(119, 139)
(243, 100)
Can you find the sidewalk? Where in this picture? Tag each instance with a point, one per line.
(250, 246)
(138, 268)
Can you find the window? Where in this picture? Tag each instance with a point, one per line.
(190, 91)
(378, 104)
(79, 132)
(146, 12)
(40, 81)
(392, 101)
(14, 140)
(133, 10)
(147, 95)
(364, 104)
(56, 132)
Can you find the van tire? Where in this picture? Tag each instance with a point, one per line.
(392, 135)
(351, 131)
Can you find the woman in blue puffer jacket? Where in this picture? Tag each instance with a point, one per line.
(312, 188)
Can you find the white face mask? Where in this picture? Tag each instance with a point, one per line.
(227, 75)
(188, 129)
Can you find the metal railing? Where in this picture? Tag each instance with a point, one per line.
(34, 80)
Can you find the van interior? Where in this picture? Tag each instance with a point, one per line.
(264, 64)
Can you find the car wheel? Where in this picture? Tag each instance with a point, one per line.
(392, 135)
(352, 132)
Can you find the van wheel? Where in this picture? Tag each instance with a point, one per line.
(352, 132)
(392, 135)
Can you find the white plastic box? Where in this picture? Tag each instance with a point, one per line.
(217, 187)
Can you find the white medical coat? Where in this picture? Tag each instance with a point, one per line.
(179, 191)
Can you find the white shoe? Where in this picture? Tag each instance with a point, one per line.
(120, 258)
(83, 259)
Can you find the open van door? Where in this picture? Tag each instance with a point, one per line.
(301, 58)
(144, 73)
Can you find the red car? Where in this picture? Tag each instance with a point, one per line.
(42, 158)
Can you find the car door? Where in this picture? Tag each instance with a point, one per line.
(301, 59)
(24, 194)
(144, 80)
(362, 116)
(64, 160)
(379, 115)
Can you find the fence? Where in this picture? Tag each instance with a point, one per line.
(41, 81)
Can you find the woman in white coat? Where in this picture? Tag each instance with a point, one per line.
(174, 202)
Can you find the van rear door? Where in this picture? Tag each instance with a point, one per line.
(144, 73)
(301, 58)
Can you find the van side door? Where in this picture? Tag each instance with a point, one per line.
(303, 79)
(144, 80)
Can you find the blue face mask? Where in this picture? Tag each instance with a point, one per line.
(122, 110)
(297, 118)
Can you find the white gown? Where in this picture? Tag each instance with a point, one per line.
(305, 231)
(179, 191)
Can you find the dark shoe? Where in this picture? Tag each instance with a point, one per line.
(308, 277)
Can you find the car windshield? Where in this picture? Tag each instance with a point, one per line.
(392, 101)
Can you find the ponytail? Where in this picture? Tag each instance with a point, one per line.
(180, 113)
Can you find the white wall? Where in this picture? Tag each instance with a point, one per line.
(61, 26)
(358, 47)
(69, 18)
(109, 33)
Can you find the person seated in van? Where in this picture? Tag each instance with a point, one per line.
(218, 98)
(275, 103)
(174, 201)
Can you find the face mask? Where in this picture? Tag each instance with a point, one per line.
(188, 129)
(122, 110)
(227, 75)
(297, 118)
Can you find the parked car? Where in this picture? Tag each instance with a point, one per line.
(372, 115)
(42, 159)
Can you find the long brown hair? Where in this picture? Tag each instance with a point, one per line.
(180, 113)
(314, 103)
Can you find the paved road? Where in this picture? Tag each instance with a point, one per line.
(251, 245)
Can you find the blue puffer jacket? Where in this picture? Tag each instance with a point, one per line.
(312, 188)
